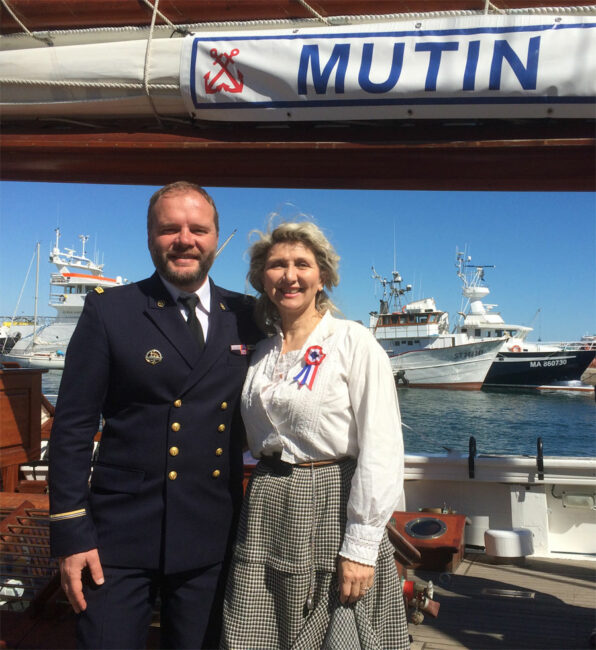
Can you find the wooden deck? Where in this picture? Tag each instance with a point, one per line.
(532, 604)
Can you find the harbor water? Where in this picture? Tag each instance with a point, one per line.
(502, 422)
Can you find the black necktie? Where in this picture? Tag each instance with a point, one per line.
(190, 303)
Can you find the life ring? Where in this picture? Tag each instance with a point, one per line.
(403, 309)
(515, 348)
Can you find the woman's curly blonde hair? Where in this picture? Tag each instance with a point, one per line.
(310, 236)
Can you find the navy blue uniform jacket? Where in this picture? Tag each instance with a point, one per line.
(167, 483)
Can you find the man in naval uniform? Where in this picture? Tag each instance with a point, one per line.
(156, 512)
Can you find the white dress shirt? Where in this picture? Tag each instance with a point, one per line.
(203, 308)
(351, 411)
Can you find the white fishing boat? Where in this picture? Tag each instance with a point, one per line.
(76, 275)
(519, 363)
(423, 353)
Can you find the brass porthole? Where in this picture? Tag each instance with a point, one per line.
(426, 528)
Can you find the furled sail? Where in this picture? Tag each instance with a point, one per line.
(487, 66)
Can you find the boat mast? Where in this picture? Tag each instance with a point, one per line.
(220, 249)
(471, 280)
(36, 295)
(392, 291)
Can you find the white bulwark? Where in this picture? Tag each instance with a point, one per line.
(467, 67)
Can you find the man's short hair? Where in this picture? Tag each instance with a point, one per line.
(180, 187)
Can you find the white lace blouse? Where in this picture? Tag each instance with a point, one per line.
(351, 411)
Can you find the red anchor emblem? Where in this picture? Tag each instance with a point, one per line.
(229, 83)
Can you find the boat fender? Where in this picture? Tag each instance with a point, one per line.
(515, 348)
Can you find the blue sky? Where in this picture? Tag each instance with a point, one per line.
(543, 245)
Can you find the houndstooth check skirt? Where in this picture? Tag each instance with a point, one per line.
(284, 526)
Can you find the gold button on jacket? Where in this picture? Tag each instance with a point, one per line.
(221, 427)
(178, 403)
(219, 451)
(175, 426)
(215, 473)
(223, 406)
(174, 451)
(173, 476)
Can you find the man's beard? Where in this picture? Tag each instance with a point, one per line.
(183, 278)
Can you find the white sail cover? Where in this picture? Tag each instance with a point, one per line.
(501, 66)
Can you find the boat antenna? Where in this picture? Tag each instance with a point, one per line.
(220, 249)
(394, 250)
(83, 239)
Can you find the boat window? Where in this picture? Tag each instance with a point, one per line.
(410, 343)
(403, 319)
(403, 342)
(476, 332)
(394, 319)
(499, 333)
(422, 318)
(464, 330)
(395, 343)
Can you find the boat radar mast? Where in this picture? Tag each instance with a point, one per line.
(392, 291)
(474, 290)
(83, 239)
(462, 262)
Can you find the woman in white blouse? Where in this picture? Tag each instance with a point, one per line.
(321, 413)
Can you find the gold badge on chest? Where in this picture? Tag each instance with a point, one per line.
(153, 357)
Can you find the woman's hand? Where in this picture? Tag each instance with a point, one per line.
(354, 580)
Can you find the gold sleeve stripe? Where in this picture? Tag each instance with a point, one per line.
(68, 515)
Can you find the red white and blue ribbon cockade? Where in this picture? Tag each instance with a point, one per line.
(313, 358)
